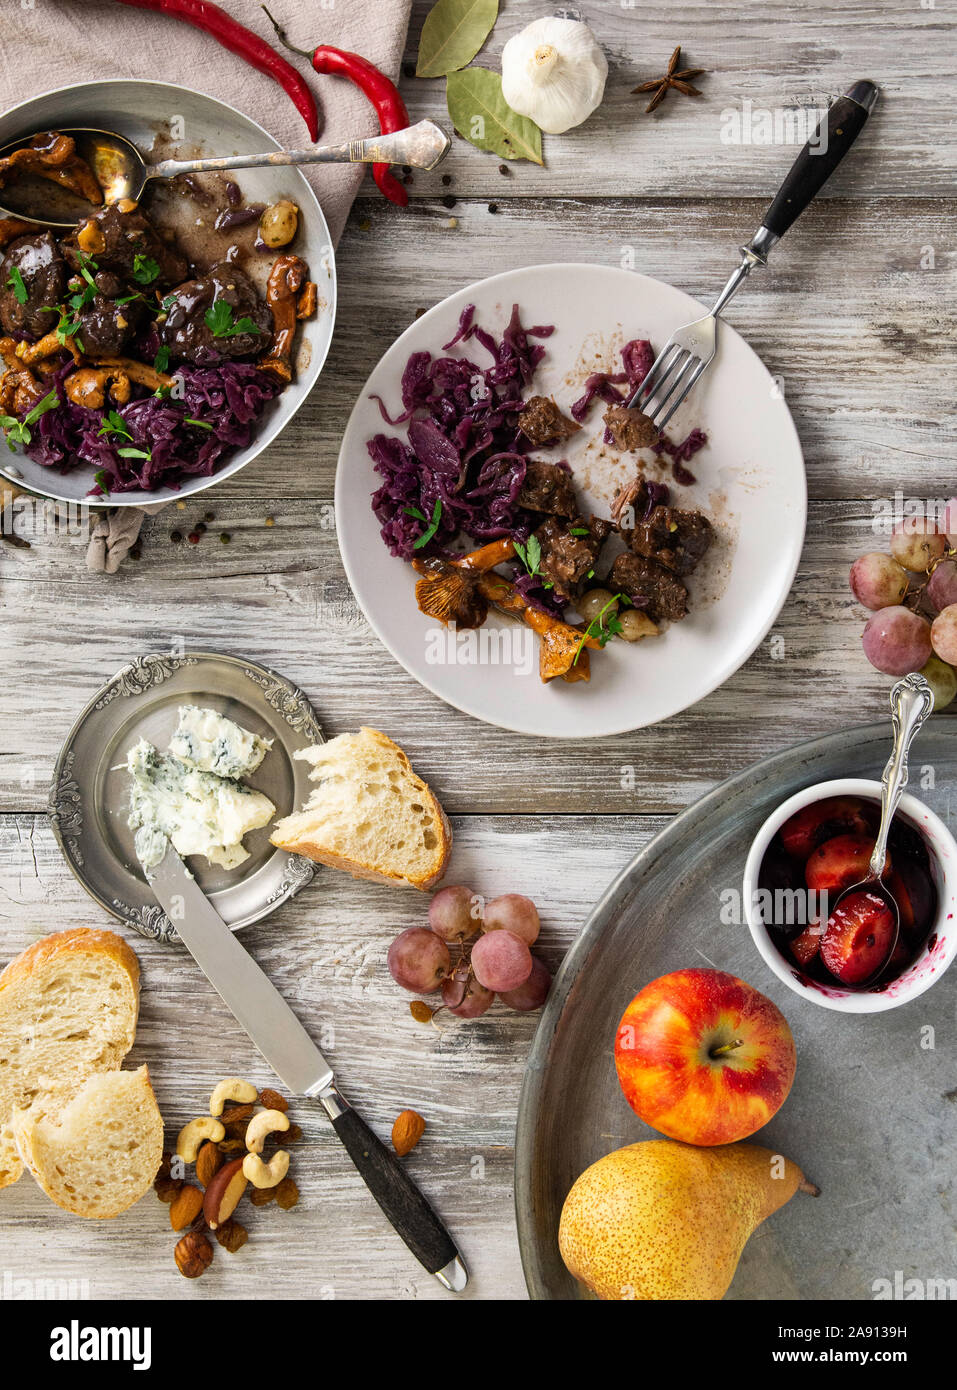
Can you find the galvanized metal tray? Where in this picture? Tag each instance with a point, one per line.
(89, 797)
(872, 1117)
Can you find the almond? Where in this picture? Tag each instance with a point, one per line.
(185, 1207)
(407, 1131)
(208, 1161)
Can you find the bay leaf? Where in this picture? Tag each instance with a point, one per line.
(453, 32)
(481, 114)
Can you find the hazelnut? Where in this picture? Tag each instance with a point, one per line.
(193, 1255)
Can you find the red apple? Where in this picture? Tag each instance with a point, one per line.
(703, 1057)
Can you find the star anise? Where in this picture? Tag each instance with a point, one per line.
(680, 79)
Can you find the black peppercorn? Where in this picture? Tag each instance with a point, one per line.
(493, 207)
(448, 201)
(175, 536)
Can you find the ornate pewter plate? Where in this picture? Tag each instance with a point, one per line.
(868, 1118)
(89, 798)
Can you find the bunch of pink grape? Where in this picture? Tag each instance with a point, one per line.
(912, 594)
(491, 943)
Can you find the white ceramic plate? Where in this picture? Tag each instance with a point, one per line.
(140, 111)
(750, 482)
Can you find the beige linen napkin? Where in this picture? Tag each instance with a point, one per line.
(50, 45)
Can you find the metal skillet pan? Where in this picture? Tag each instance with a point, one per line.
(187, 124)
(867, 1118)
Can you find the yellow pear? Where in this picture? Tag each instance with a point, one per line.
(663, 1220)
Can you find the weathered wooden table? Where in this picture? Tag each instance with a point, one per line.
(854, 317)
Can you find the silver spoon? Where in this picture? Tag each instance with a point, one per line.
(121, 171)
(912, 700)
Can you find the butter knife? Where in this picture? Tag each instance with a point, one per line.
(260, 1009)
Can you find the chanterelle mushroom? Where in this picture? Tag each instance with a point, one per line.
(449, 589)
(286, 279)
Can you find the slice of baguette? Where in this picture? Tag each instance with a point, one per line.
(68, 1008)
(370, 814)
(101, 1153)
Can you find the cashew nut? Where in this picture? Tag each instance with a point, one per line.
(269, 1174)
(261, 1125)
(194, 1134)
(232, 1088)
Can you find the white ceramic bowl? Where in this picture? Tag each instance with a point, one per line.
(139, 110)
(941, 945)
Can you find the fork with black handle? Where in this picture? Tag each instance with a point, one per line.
(690, 349)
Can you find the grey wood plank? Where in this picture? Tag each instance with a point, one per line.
(278, 595)
(849, 317)
(779, 56)
(325, 950)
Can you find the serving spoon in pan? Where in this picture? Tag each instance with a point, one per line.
(122, 172)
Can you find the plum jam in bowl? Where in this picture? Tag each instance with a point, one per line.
(813, 847)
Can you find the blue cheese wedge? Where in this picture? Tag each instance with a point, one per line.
(198, 812)
(210, 742)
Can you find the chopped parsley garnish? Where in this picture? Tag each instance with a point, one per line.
(18, 431)
(145, 269)
(113, 423)
(600, 629)
(432, 526)
(219, 321)
(531, 557)
(167, 303)
(69, 327)
(530, 554)
(579, 531)
(161, 360)
(99, 477)
(15, 281)
(200, 424)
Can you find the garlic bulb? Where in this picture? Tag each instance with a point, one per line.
(554, 73)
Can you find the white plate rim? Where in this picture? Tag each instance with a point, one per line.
(351, 561)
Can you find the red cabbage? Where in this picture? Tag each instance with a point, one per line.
(637, 357)
(229, 398)
(463, 449)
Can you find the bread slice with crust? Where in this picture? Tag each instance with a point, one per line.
(101, 1153)
(370, 814)
(68, 1008)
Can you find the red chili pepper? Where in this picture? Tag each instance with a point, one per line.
(242, 41)
(382, 93)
